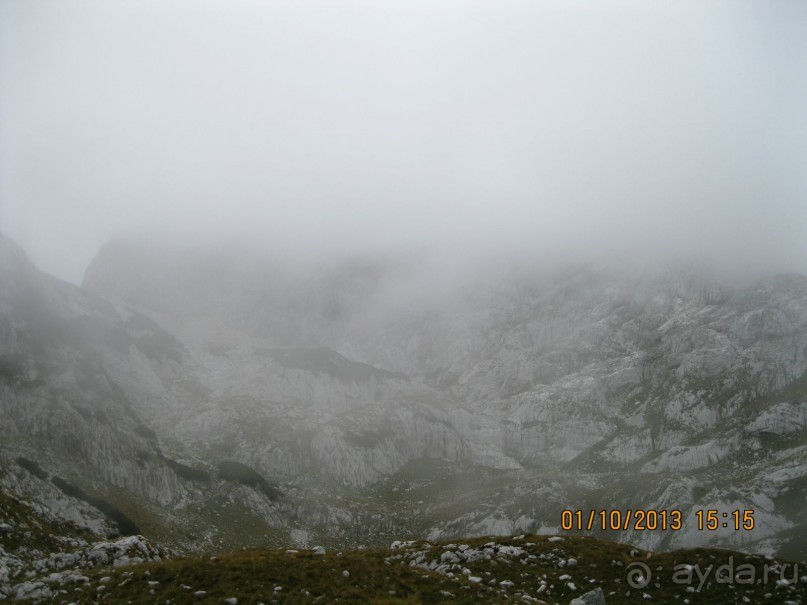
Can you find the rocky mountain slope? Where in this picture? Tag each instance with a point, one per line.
(546, 570)
(42, 561)
(81, 383)
(373, 400)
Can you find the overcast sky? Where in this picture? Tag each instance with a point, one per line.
(648, 128)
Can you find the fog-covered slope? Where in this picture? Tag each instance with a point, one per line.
(111, 422)
(378, 399)
(84, 384)
(593, 386)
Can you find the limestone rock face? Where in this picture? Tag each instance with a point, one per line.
(372, 396)
(81, 380)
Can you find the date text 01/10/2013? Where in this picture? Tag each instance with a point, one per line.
(652, 520)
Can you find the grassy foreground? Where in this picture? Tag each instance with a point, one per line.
(525, 569)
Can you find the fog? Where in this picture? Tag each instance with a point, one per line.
(530, 130)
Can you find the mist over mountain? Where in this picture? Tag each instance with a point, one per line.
(553, 131)
(312, 404)
(318, 276)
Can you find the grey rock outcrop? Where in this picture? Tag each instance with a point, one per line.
(594, 597)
